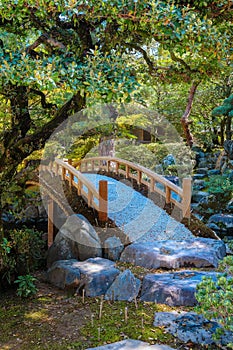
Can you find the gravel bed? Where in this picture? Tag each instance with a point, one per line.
(137, 215)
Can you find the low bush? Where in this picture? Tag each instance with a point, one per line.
(215, 298)
(26, 286)
(22, 251)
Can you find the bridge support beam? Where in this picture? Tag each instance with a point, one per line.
(103, 200)
(187, 193)
(52, 207)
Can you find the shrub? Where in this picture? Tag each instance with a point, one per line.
(215, 298)
(21, 252)
(220, 188)
(26, 287)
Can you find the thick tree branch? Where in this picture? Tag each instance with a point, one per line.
(20, 109)
(182, 62)
(185, 117)
(44, 39)
(44, 104)
(21, 148)
(147, 59)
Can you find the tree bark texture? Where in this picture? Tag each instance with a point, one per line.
(185, 117)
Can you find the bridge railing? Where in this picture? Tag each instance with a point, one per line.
(95, 199)
(155, 182)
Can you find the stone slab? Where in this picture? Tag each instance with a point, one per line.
(64, 274)
(174, 289)
(191, 327)
(95, 275)
(131, 344)
(198, 252)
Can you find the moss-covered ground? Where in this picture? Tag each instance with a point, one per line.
(62, 320)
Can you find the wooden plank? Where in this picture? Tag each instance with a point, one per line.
(103, 200)
(50, 222)
(89, 198)
(168, 195)
(187, 193)
(139, 179)
(71, 179)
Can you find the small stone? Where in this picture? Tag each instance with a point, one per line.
(200, 196)
(113, 248)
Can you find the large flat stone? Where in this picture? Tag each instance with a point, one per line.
(131, 344)
(174, 289)
(64, 274)
(197, 252)
(189, 326)
(95, 275)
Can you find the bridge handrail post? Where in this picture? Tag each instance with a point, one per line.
(187, 194)
(117, 168)
(103, 200)
(63, 174)
(50, 222)
(71, 178)
(139, 179)
(168, 195)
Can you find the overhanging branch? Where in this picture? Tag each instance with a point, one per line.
(44, 104)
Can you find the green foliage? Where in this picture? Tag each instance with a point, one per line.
(225, 109)
(184, 157)
(26, 286)
(220, 188)
(138, 154)
(215, 298)
(22, 251)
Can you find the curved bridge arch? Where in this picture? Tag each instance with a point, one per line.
(73, 173)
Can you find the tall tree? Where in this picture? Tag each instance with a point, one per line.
(56, 56)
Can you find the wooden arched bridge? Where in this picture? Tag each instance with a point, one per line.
(75, 173)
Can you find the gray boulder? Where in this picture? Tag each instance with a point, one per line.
(64, 274)
(212, 172)
(174, 289)
(95, 275)
(198, 252)
(200, 196)
(199, 185)
(189, 326)
(76, 239)
(113, 248)
(131, 344)
(31, 212)
(125, 287)
(224, 222)
(198, 176)
(203, 170)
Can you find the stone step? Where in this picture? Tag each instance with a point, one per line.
(198, 252)
(131, 344)
(95, 275)
(174, 289)
(191, 327)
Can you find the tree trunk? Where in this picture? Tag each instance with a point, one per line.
(20, 147)
(185, 117)
(228, 128)
(222, 128)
